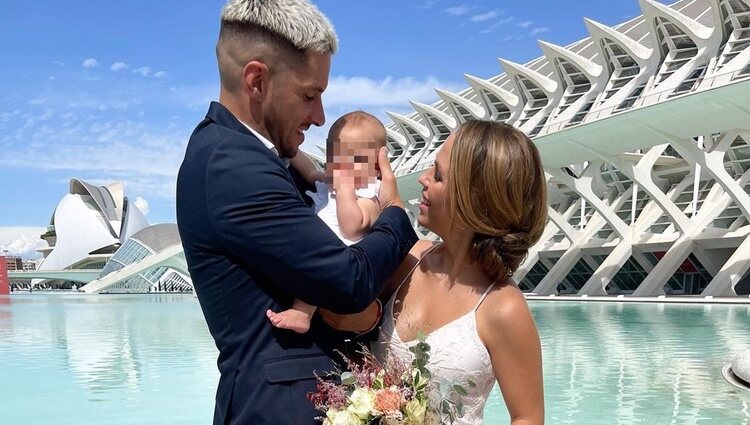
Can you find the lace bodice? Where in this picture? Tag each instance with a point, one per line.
(457, 354)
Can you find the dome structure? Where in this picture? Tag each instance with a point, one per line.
(88, 225)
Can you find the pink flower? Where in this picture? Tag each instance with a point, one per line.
(388, 400)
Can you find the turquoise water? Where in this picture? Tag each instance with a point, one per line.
(148, 359)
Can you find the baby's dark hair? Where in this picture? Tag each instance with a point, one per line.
(357, 118)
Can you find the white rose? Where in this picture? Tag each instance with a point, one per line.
(361, 403)
(341, 417)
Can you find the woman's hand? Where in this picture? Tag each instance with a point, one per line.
(362, 322)
(388, 195)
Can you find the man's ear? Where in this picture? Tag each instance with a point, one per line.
(256, 77)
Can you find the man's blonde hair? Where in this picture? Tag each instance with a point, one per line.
(297, 21)
(278, 33)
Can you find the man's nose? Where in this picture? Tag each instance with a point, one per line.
(318, 115)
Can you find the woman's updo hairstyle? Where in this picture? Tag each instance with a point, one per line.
(496, 188)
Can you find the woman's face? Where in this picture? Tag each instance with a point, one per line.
(434, 209)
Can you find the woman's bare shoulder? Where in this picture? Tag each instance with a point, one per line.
(504, 307)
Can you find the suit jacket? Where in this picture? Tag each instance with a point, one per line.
(252, 244)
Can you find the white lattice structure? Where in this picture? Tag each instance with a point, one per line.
(644, 130)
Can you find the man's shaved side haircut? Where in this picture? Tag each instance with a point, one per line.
(278, 33)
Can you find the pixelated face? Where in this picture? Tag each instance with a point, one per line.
(354, 154)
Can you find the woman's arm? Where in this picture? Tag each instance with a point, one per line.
(508, 330)
(307, 168)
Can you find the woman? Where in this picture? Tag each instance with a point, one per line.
(486, 199)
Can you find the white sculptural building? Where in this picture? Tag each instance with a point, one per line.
(102, 243)
(152, 260)
(643, 129)
(88, 225)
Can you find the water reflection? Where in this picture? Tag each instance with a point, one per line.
(110, 351)
(640, 363)
(89, 357)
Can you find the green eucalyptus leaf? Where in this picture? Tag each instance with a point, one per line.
(460, 409)
(460, 390)
(445, 407)
(347, 378)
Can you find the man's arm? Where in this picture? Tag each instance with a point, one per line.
(307, 168)
(262, 222)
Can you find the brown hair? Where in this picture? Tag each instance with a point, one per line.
(356, 118)
(497, 188)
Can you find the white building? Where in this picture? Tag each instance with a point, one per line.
(152, 260)
(88, 225)
(643, 129)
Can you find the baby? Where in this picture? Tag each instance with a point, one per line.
(347, 201)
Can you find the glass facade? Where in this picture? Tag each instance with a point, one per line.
(130, 252)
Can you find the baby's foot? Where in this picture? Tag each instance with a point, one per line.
(291, 319)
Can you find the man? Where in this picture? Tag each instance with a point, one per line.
(251, 242)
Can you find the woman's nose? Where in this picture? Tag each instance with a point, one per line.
(423, 180)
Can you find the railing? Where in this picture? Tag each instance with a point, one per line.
(647, 100)
(597, 114)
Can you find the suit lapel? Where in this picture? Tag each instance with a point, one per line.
(219, 114)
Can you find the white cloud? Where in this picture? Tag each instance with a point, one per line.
(346, 94)
(538, 30)
(136, 133)
(484, 16)
(142, 205)
(92, 147)
(144, 70)
(160, 74)
(118, 66)
(525, 24)
(90, 63)
(457, 10)
(21, 241)
(497, 24)
(362, 92)
(428, 4)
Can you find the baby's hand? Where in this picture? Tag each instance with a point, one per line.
(343, 180)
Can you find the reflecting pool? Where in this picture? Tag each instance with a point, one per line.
(147, 359)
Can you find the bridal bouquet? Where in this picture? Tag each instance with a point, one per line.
(393, 393)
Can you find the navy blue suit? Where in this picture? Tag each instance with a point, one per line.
(252, 244)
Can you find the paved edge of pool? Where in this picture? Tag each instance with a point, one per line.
(681, 299)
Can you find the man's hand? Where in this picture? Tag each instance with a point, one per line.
(388, 195)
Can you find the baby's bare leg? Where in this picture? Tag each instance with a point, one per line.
(296, 318)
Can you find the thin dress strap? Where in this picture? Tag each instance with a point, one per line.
(487, 291)
(424, 254)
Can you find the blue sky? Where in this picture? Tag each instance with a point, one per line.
(111, 90)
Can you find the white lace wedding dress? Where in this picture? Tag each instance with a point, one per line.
(456, 355)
